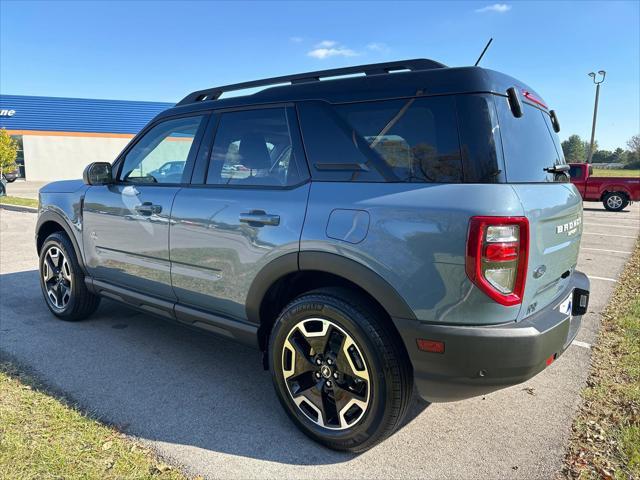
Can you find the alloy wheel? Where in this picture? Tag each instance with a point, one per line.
(614, 201)
(326, 374)
(56, 275)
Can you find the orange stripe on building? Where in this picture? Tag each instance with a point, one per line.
(46, 133)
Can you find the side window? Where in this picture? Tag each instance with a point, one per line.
(254, 147)
(161, 154)
(411, 140)
(575, 171)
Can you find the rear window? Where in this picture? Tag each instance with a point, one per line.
(409, 140)
(528, 145)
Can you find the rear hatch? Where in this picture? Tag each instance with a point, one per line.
(551, 204)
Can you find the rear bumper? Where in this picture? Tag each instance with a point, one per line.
(478, 360)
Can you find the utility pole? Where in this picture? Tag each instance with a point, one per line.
(602, 73)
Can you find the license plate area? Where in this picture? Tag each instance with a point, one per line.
(566, 307)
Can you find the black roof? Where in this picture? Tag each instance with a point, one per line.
(379, 81)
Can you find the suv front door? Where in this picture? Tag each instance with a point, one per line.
(126, 224)
(245, 208)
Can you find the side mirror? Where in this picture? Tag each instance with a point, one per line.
(98, 173)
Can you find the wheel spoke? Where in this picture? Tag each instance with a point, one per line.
(335, 340)
(66, 271)
(351, 362)
(48, 267)
(312, 398)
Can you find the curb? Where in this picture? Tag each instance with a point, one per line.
(18, 208)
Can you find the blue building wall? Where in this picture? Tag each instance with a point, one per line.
(76, 114)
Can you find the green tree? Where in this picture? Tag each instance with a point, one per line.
(573, 148)
(619, 156)
(634, 149)
(8, 152)
(601, 156)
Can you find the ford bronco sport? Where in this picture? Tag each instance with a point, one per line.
(407, 224)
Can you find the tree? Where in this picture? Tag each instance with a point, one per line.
(8, 152)
(619, 156)
(633, 156)
(634, 144)
(602, 156)
(573, 148)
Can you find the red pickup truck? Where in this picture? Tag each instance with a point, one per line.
(615, 193)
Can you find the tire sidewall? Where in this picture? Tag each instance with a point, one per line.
(323, 307)
(56, 240)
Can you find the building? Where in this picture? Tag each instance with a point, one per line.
(58, 137)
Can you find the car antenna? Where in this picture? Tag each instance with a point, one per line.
(483, 51)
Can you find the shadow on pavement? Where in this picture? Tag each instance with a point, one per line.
(156, 380)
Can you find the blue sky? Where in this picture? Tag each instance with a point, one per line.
(163, 50)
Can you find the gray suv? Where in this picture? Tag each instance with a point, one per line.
(400, 224)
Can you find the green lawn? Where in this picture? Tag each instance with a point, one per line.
(44, 437)
(606, 433)
(23, 202)
(608, 172)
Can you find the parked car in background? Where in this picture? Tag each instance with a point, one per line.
(11, 176)
(615, 193)
(410, 226)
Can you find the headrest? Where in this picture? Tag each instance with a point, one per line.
(253, 152)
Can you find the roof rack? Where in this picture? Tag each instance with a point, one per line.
(370, 69)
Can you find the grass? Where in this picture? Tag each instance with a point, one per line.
(43, 437)
(605, 442)
(23, 202)
(609, 172)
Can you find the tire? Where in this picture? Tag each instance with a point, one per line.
(615, 201)
(357, 352)
(62, 280)
(10, 180)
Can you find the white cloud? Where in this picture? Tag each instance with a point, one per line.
(496, 7)
(378, 47)
(326, 44)
(331, 48)
(322, 53)
(296, 39)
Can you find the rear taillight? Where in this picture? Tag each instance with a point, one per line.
(497, 255)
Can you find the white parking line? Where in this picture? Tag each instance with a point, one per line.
(608, 225)
(604, 250)
(593, 277)
(608, 235)
(581, 344)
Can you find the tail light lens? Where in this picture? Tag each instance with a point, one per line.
(497, 256)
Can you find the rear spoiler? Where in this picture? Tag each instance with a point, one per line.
(515, 104)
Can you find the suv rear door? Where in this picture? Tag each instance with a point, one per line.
(126, 224)
(244, 208)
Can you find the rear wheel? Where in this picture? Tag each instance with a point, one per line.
(615, 201)
(339, 372)
(62, 280)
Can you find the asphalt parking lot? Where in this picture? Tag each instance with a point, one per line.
(205, 403)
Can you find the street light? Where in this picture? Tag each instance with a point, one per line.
(603, 74)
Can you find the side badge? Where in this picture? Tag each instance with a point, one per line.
(539, 271)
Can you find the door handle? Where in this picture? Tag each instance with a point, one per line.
(259, 218)
(148, 209)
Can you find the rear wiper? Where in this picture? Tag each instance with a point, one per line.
(558, 169)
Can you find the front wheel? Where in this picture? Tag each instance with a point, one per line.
(615, 201)
(340, 372)
(62, 280)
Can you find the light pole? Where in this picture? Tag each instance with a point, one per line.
(603, 74)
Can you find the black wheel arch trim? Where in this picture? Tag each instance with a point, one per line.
(51, 216)
(350, 270)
